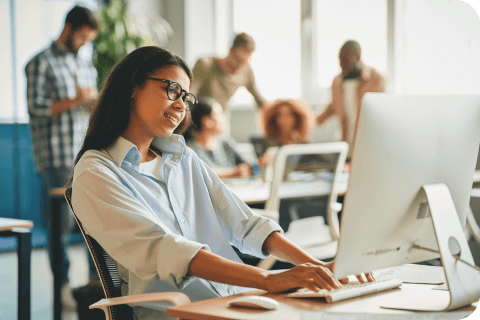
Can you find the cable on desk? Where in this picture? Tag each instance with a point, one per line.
(456, 256)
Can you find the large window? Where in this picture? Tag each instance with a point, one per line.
(275, 26)
(440, 47)
(38, 22)
(340, 20)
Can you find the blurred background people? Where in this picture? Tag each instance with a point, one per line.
(61, 88)
(285, 122)
(218, 153)
(348, 89)
(219, 78)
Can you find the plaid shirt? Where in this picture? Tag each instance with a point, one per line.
(52, 76)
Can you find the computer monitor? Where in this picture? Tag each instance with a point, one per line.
(404, 142)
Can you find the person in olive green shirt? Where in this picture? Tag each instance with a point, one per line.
(219, 78)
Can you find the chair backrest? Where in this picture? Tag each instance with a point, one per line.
(257, 143)
(279, 168)
(106, 268)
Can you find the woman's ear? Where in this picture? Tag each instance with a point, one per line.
(134, 93)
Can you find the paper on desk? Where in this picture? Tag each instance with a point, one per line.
(413, 273)
(443, 286)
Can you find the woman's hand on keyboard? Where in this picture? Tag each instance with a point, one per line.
(308, 275)
(368, 276)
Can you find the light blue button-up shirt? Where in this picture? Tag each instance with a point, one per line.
(153, 228)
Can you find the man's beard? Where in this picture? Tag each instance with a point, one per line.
(354, 73)
(69, 44)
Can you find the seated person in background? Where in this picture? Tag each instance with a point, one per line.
(159, 211)
(287, 122)
(219, 154)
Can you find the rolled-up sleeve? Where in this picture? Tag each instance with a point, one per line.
(129, 232)
(252, 87)
(244, 229)
(39, 89)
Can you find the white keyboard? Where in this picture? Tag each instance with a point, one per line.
(348, 291)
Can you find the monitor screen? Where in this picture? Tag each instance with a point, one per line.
(404, 142)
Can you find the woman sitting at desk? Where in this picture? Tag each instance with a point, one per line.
(160, 212)
(220, 154)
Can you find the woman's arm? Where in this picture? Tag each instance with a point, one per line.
(212, 267)
(279, 246)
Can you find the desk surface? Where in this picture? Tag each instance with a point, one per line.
(252, 192)
(259, 191)
(57, 192)
(304, 309)
(7, 224)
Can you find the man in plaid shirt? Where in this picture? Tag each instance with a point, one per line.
(61, 88)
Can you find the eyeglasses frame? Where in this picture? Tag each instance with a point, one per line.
(170, 82)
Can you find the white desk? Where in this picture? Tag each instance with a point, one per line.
(252, 192)
(256, 191)
(367, 307)
(22, 230)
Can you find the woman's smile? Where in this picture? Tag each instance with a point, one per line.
(172, 117)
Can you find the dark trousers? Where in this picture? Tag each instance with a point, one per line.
(56, 179)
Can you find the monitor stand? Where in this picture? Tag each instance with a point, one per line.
(463, 281)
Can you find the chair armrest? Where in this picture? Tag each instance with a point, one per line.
(336, 207)
(177, 298)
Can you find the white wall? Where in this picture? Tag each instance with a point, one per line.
(6, 95)
(37, 24)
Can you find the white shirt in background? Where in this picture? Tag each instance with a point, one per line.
(349, 102)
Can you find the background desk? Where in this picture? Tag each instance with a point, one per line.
(367, 307)
(255, 191)
(22, 230)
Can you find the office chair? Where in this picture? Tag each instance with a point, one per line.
(257, 142)
(311, 234)
(115, 306)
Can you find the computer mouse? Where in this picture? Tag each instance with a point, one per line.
(255, 302)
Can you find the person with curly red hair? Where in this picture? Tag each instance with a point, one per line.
(285, 122)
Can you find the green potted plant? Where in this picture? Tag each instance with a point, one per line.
(113, 41)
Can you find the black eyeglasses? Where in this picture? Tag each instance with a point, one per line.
(175, 91)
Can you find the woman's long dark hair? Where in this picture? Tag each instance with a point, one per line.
(203, 108)
(112, 113)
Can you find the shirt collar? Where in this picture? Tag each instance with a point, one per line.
(59, 48)
(173, 144)
(122, 149)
